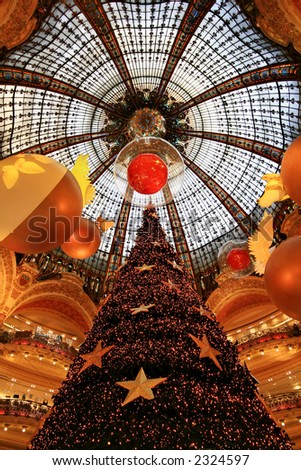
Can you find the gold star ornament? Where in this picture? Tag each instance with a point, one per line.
(175, 265)
(142, 308)
(121, 267)
(95, 357)
(140, 387)
(204, 312)
(145, 267)
(207, 350)
(103, 301)
(156, 243)
(171, 285)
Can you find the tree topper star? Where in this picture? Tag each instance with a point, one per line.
(142, 308)
(207, 350)
(145, 267)
(156, 243)
(95, 357)
(140, 387)
(175, 265)
(171, 285)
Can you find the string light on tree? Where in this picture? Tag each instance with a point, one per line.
(191, 391)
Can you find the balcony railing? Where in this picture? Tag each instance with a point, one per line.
(38, 340)
(284, 401)
(263, 336)
(26, 408)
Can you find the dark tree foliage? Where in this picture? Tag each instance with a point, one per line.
(198, 406)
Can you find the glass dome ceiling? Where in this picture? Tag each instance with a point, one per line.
(230, 99)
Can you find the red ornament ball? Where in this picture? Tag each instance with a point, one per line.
(291, 170)
(147, 173)
(84, 241)
(238, 259)
(282, 277)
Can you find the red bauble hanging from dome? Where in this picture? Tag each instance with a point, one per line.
(147, 173)
(238, 259)
(84, 241)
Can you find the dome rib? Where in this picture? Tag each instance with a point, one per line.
(97, 17)
(275, 73)
(194, 15)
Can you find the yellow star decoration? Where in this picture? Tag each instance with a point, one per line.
(204, 312)
(274, 190)
(140, 387)
(154, 215)
(142, 308)
(156, 243)
(175, 265)
(104, 224)
(171, 285)
(207, 350)
(145, 267)
(121, 267)
(103, 301)
(81, 173)
(95, 357)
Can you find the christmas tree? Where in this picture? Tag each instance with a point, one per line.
(156, 370)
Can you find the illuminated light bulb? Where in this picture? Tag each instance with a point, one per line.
(24, 428)
(41, 357)
(65, 367)
(276, 348)
(248, 357)
(300, 420)
(5, 428)
(26, 354)
(262, 352)
(282, 422)
(289, 347)
(54, 361)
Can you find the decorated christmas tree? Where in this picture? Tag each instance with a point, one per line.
(156, 370)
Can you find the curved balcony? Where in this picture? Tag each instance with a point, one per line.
(24, 408)
(36, 340)
(284, 401)
(263, 336)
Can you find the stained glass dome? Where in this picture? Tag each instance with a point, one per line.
(227, 97)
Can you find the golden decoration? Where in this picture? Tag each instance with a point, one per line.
(95, 357)
(274, 190)
(104, 224)
(203, 312)
(140, 387)
(81, 173)
(11, 172)
(259, 243)
(145, 267)
(175, 265)
(142, 308)
(171, 286)
(156, 243)
(206, 349)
